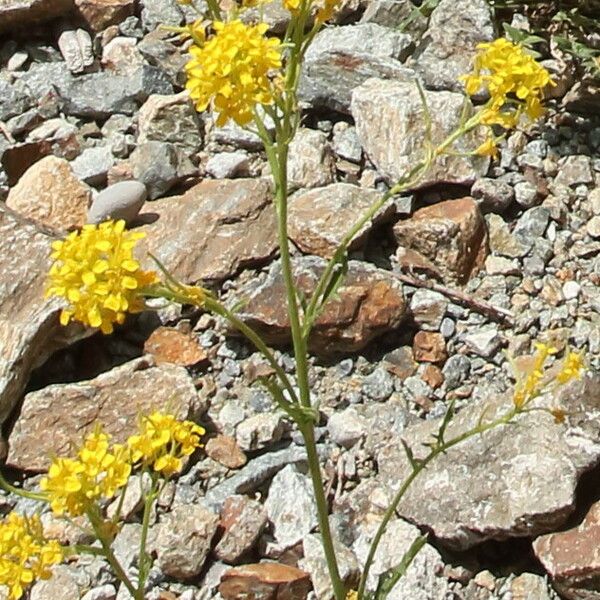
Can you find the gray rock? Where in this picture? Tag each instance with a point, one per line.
(62, 585)
(161, 12)
(14, 100)
(291, 507)
(575, 170)
(449, 45)
(428, 309)
(389, 123)
(259, 431)
(122, 200)
(102, 592)
(159, 51)
(346, 428)
(226, 165)
(342, 58)
(379, 385)
(346, 144)
(593, 227)
(183, 540)
(492, 195)
(456, 370)
(498, 265)
(160, 166)
(510, 482)
(484, 341)
(532, 225)
(126, 545)
(395, 14)
(310, 162)
(526, 194)
(93, 164)
(503, 242)
(76, 47)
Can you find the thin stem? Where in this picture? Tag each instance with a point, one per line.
(144, 559)
(11, 489)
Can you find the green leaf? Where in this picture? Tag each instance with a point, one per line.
(414, 463)
(445, 422)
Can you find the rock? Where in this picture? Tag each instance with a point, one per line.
(100, 14)
(161, 12)
(502, 241)
(242, 522)
(342, 58)
(571, 557)
(422, 580)
(451, 234)
(320, 218)
(315, 564)
(51, 195)
(575, 170)
(450, 43)
(29, 328)
(260, 431)
(485, 341)
(498, 265)
(67, 412)
(526, 194)
(390, 126)
(102, 592)
(265, 581)
(122, 56)
(14, 99)
(291, 507)
(93, 165)
(311, 162)
(159, 51)
(225, 450)
(379, 385)
(62, 584)
(369, 302)
(137, 488)
(122, 200)
(170, 346)
(226, 165)
(428, 308)
(171, 119)
(183, 540)
(593, 227)
(524, 476)
(531, 225)
(394, 14)
(400, 362)
(24, 13)
(213, 230)
(429, 347)
(346, 144)
(76, 47)
(346, 428)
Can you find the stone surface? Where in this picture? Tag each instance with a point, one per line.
(99, 14)
(320, 218)
(67, 412)
(226, 165)
(213, 230)
(259, 431)
(451, 234)
(265, 581)
(242, 522)
(50, 194)
(347, 427)
(311, 162)
(122, 200)
(571, 557)
(449, 45)
(93, 164)
(24, 13)
(430, 347)
(498, 485)
(29, 328)
(291, 507)
(76, 47)
(492, 195)
(171, 346)
(342, 58)
(224, 450)
(62, 585)
(369, 302)
(183, 540)
(390, 126)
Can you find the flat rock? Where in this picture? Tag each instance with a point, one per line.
(224, 450)
(215, 229)
(51, 195)
(369, 302)
(122, 200)
(265, 581)
(507, 483)
(390, 126)
(67, 412)
(29, 328)
(341, 58)
(449, 44)
(320, 218)
(21, 13)
(571, 557)
(451, 234)
(171, 346)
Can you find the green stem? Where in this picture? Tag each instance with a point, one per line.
(144, 560)
(11, 489)
(418, 468)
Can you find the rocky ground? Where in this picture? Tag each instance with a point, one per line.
(482, 259)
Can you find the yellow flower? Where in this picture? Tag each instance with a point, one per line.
(572, 367)
(292, 5)
(326, 10)
(163, 441)
(488, 148)
(513, 79)
(233, 71)
(24, 553)
(352, 595)
(94, 270)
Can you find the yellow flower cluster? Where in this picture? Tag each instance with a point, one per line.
(24, 553)
(514, 80)
(234, 71)
(163, 442)
(99, 471)
(94, 270)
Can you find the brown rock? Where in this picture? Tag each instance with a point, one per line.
(225, 450)
(265, 581)
(433, 376)
(29, 327)
(368, 303)
(17, 13)
(67, 412)
(242, 522)
(320, 218)
(99, 14)
(51, 195)
(571, 557)
(451, 234)
(400, 362)
(429, 346)
(213, 230)
(169, 345)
